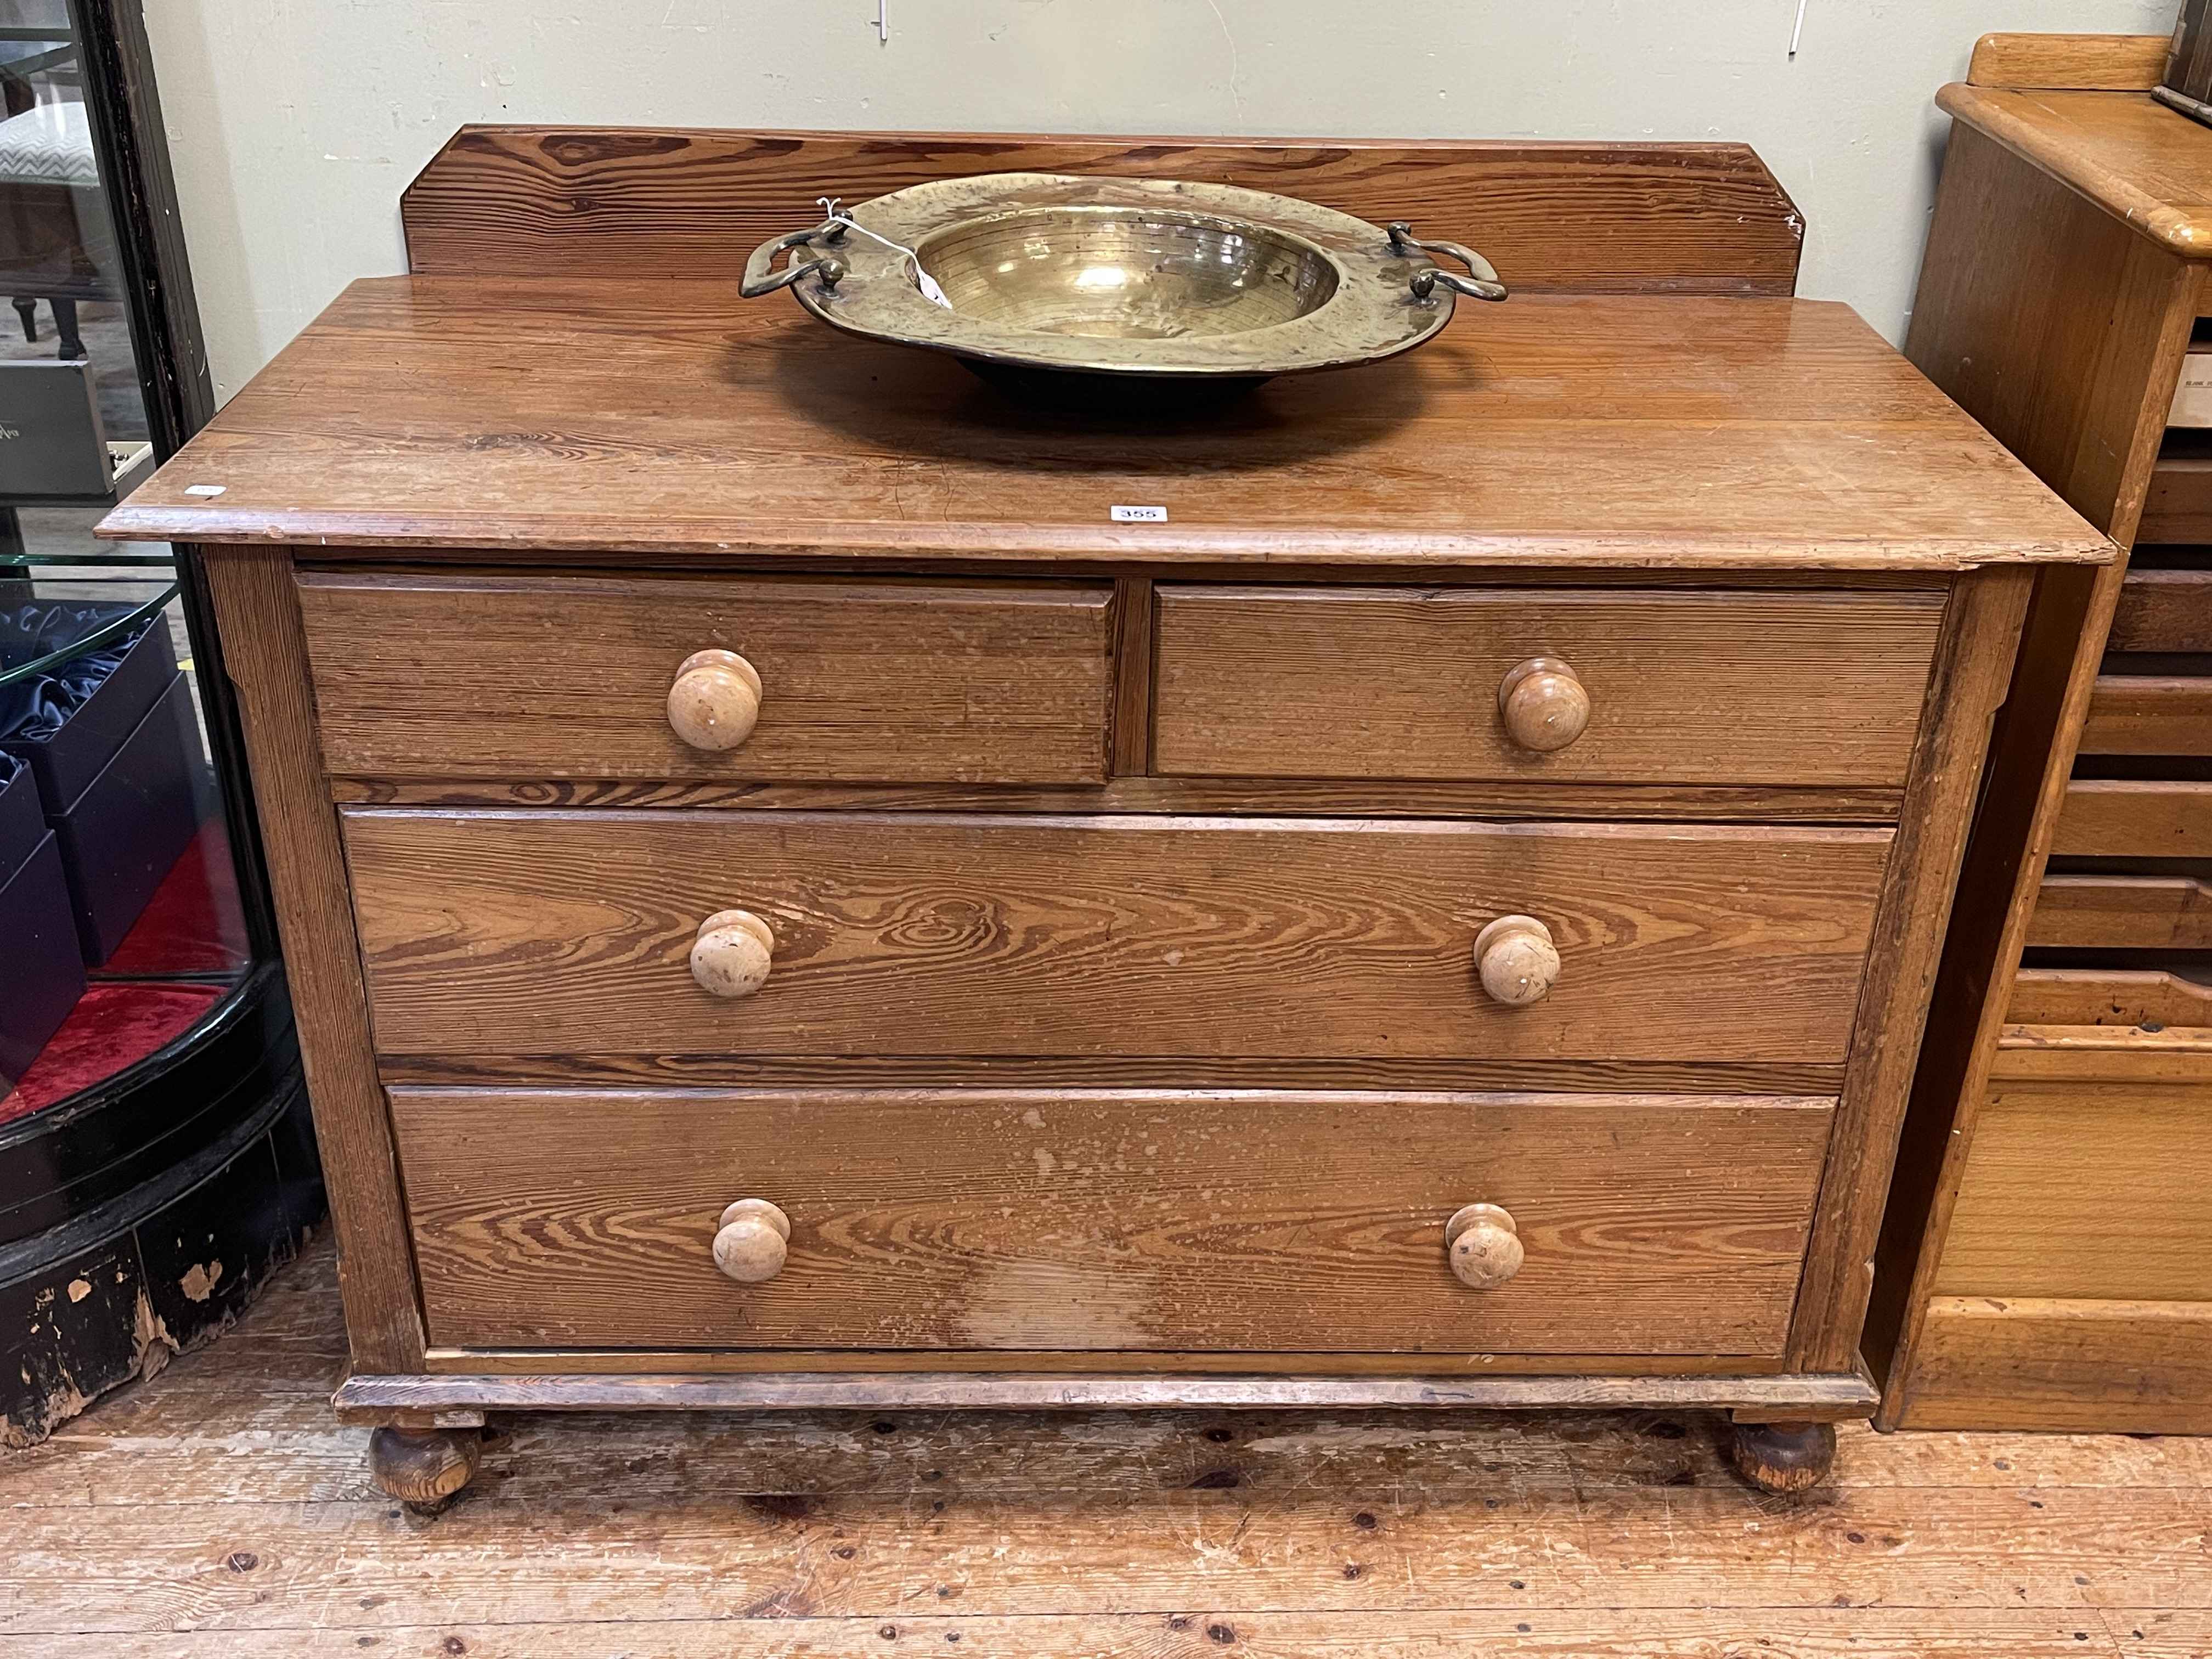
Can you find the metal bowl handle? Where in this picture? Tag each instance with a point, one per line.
(759, 280)
(1483, 285)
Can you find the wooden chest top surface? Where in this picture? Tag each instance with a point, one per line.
(666, 421)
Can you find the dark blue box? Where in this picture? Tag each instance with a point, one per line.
(110, 737)
(132, 823)
(42, 967)
(70, 727)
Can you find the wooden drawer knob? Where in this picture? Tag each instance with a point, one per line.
(731, 956)
(715, 700)
(1484, 1246)
(751, 1244)
(1517, 959)
(1544, 704)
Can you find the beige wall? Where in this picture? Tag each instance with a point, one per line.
(294, 124)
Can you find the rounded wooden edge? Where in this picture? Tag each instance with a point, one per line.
(749, 1244)
(715, 657)
(1784, 1457)
(732, 954)
(1517, 960)
(1483, 1246)
(798, 1385)
(744, 919)
(714, 701)
(1543, 704)
(1468, 1214)
(761, 1207)
(424, 1468)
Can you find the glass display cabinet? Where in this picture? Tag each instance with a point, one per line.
(155, 1158)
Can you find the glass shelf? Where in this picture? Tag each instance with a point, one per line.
(99, 630)
(135, 557)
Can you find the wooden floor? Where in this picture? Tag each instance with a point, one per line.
(217, 1510)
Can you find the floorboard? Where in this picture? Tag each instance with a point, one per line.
(215, 1510)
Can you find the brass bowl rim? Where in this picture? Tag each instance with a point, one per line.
(1371, 314)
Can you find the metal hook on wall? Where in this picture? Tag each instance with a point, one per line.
(883, 21)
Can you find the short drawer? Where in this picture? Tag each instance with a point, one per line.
(2150, 715)
(517, 933)
(2134, 818)
(1090, 1220)
(2163, 610)
(538, 676)
(2123, 913)
(2085, 1178)
(1634, 686)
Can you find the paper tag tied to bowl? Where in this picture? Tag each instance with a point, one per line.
(922, 279)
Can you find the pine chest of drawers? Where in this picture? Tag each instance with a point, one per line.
(790, 903)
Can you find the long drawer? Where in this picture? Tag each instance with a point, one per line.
(505, 933)
(571, 677)
(1095, 1219)
(1683, 688)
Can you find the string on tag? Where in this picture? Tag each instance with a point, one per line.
(922, 279)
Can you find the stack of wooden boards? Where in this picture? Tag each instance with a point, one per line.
(2048, 1259)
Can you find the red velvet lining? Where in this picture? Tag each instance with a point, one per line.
(193, 925)
(113, 1026)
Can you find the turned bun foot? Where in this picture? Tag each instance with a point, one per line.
(1784, 1457)
(424, 1468)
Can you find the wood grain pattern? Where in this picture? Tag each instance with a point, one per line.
(1245, 1363)
(2145, 714)
(2130, 154)
(1917, 1633)
(669, 1071)
(1133, 674)
(265, 654)
(1168, 1221)
(2127, 818)
(2164, 610)
(2106, 1053)
(2085, 63)
(630, 203)
(2055, 325)
(372, 1399)
(2085, 1188)
(2025, 1363)
(1066, 1532)
(2179, 509)
(492, 933)
(1202, 797)
(1973, 667)
(1708, 687)
(2124, 913)
(2109, 996)
(465, 417)
(447, 676)
(2059, 321)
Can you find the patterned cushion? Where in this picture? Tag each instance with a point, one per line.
(48, 144)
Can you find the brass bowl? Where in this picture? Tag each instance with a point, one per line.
(1102, 290)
